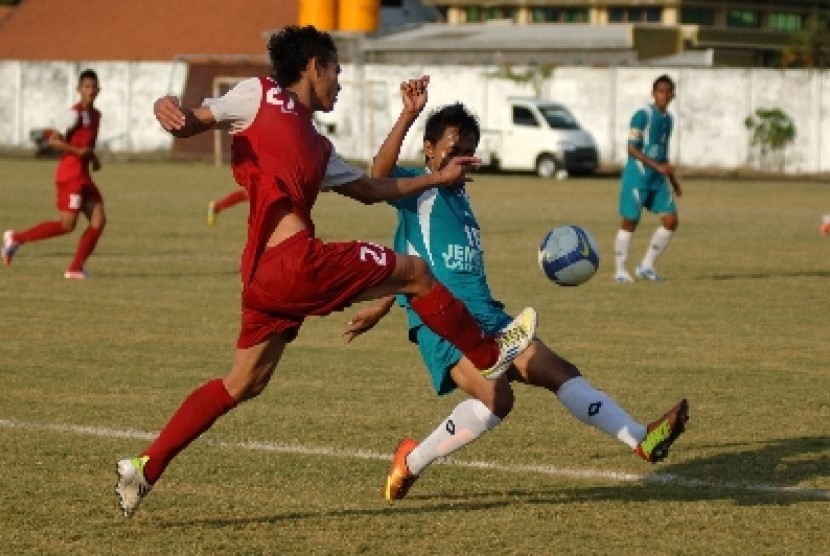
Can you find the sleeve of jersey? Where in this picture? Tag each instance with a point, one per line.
(238, 107)
(338, 172)
(401, 172)
(635, 130)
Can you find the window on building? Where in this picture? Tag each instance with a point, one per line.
(620, 14)
(473, 14)
(786, 21)
(698, 16)
(558, 15)
(574, 15)
(523, 116)
(498, 12)
(544, 15)
(743, 18)
(391, 3)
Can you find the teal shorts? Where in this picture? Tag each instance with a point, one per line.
(653, 194)
(440, 356)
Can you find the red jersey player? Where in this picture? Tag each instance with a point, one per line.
(76, 192)
(287, 273)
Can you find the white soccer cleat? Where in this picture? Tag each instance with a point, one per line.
(648, 273)
(513, 340)
(76, 274)
(623, 278)
(9, 247)
(131, 486)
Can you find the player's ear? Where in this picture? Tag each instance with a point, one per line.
(429, 149)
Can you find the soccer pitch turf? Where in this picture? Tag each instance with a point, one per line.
(92, 370)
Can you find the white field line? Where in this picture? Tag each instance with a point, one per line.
(298, 449)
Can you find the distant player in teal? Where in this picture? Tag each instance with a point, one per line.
(645, 182)
(439, 226)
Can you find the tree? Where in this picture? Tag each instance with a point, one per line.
(810, 48)
(772, 130)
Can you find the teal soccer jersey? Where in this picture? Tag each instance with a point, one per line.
(642, 186)
(439, 226)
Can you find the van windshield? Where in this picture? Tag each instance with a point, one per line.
(558, 117)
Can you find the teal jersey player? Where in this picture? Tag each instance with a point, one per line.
(649, 132)
(648, 182)
(439, 226)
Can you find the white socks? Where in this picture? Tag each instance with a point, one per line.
(621, 246)
(468, 421)
(594, 408)
(471, 418)
(659, 241)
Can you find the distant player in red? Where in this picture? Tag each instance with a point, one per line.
(231, 199)
(74, 137)
(287, 273)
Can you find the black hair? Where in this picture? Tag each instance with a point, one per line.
(87, 74)
(663, 79)
(293, 47)
(451, 115)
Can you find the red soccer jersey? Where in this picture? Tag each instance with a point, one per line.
(83, 134)
(279, 158)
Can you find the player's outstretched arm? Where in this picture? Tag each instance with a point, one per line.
(182, 122)
(372, 190)
(367, 318)
(414, 98)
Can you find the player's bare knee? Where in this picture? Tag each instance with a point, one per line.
(420, 277)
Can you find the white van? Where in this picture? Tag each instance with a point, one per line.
(536, 135)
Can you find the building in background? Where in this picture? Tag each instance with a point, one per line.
(746, 33)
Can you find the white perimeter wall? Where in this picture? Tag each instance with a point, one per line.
(710, 107)
(35, 94)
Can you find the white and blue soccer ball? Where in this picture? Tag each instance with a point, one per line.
(568, 255)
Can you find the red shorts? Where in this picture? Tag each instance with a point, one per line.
(303, 276)
(73, 194)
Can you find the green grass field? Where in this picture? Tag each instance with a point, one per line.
(89, 371)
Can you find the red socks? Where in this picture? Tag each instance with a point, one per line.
(44, 230)
(233, 199)
(197, 414)
(85, 247)
(449, 318)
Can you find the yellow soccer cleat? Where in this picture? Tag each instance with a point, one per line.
(513, 340)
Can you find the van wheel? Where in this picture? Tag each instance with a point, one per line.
(545, 166)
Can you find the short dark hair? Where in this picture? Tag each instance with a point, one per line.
(451, 115)
(87, 74)
(293, 47)
(663, 79)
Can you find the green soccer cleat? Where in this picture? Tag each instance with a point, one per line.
(663, 432)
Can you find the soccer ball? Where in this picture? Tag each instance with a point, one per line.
(568, 255)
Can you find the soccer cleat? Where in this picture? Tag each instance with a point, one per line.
(76, 274)
(9, 247)
(623, 278)
(211, 217)
(131, 486)
(513, 340)
(400, 479)
(663, 432)
(648, 273)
